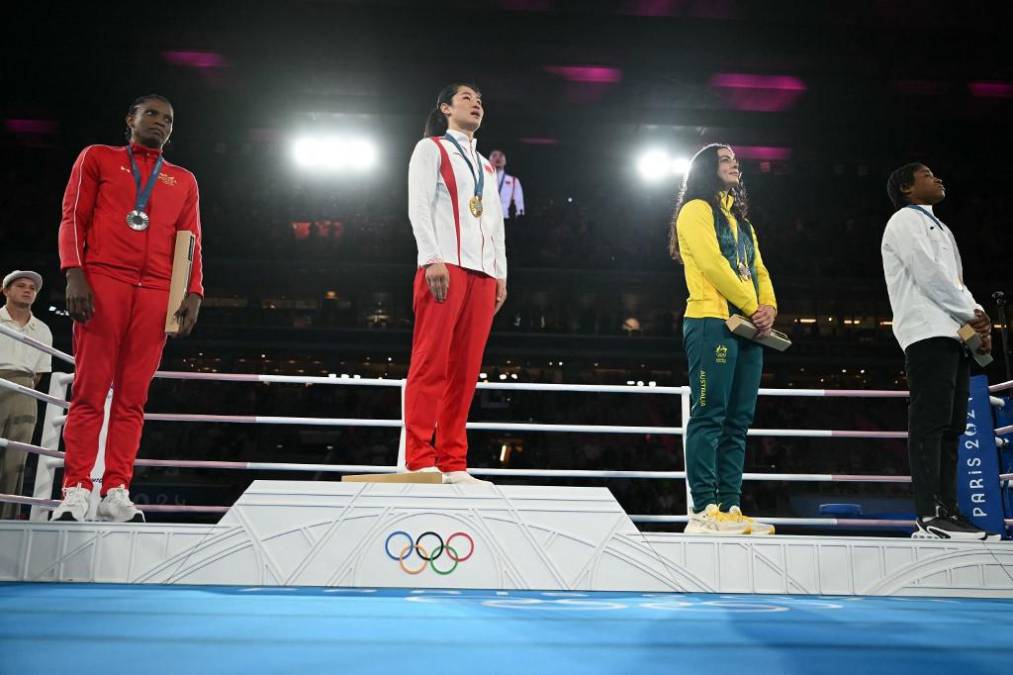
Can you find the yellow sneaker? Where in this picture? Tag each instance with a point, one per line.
(712, 521)
(752, 525)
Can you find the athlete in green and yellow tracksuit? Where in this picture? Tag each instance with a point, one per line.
(724, 274)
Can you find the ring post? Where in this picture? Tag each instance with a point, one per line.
(45, 472)
(685, 407)
(978, 490)
(402, 464)
(1004, 418)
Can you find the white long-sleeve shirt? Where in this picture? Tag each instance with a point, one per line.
(924, 277)
(445, 231)
(510, 192)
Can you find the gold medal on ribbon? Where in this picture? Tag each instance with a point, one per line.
(475, 203)
(744, 273)
(475, 206)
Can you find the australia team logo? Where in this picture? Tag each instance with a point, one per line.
(413, 555)
(721, 354)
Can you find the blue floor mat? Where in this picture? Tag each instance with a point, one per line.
(99, 628)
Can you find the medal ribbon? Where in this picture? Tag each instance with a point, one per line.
(928, 214)
(143, 195)
(741, 254)
(478, 176)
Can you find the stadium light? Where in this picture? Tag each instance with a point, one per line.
(657, 165)
(654, 165)
(334, 153)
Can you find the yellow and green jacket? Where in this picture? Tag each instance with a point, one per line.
(711, 278)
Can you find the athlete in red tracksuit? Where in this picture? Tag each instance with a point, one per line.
(117, 293)
(455, 212)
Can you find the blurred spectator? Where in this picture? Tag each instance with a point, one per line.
(510, 191)
(24, 365)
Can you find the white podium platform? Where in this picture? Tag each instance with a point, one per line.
(374, 535)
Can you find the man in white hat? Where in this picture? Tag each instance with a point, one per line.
(24, 365)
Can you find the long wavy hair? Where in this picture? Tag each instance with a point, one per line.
(703, 182)
(436, 123)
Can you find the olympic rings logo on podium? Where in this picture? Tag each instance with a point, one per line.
(428, 556)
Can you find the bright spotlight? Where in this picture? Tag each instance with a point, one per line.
(362, 155)
(334, 153)
(305, 152)
(654, 165)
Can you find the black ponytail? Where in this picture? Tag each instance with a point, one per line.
(436, 123)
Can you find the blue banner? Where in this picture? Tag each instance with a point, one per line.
(978, 490)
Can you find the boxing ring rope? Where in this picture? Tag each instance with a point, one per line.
(493, 426)
(543, 473)
(50, 504)
(28, 391)
(252, 377)
(56, 420)
(32, 342)
(859, 523)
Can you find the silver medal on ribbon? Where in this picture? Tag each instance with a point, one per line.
(137, 220)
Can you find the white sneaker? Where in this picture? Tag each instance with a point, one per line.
(735, 515)
(712, 521)
(463, 477)
(428, 469)
(116, 507)
(74, 506)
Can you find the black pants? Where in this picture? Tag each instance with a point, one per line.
(939, 377)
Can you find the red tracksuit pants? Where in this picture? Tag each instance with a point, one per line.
(447, 345)
(120, 346)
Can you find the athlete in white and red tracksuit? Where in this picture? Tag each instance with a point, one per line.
(460, 283)
(117, 294)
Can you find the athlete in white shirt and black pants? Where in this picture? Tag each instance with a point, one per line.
(511, 193)
(454, 208)
(924, 277)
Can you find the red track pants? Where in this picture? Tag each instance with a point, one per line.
(447, 346)
(120, 346)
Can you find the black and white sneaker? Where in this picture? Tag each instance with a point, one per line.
(945, 525)
(958, 517)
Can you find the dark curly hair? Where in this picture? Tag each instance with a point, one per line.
(703, 182)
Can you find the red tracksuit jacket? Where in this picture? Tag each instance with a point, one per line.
(94, 232)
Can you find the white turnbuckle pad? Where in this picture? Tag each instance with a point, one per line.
(468, 536)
